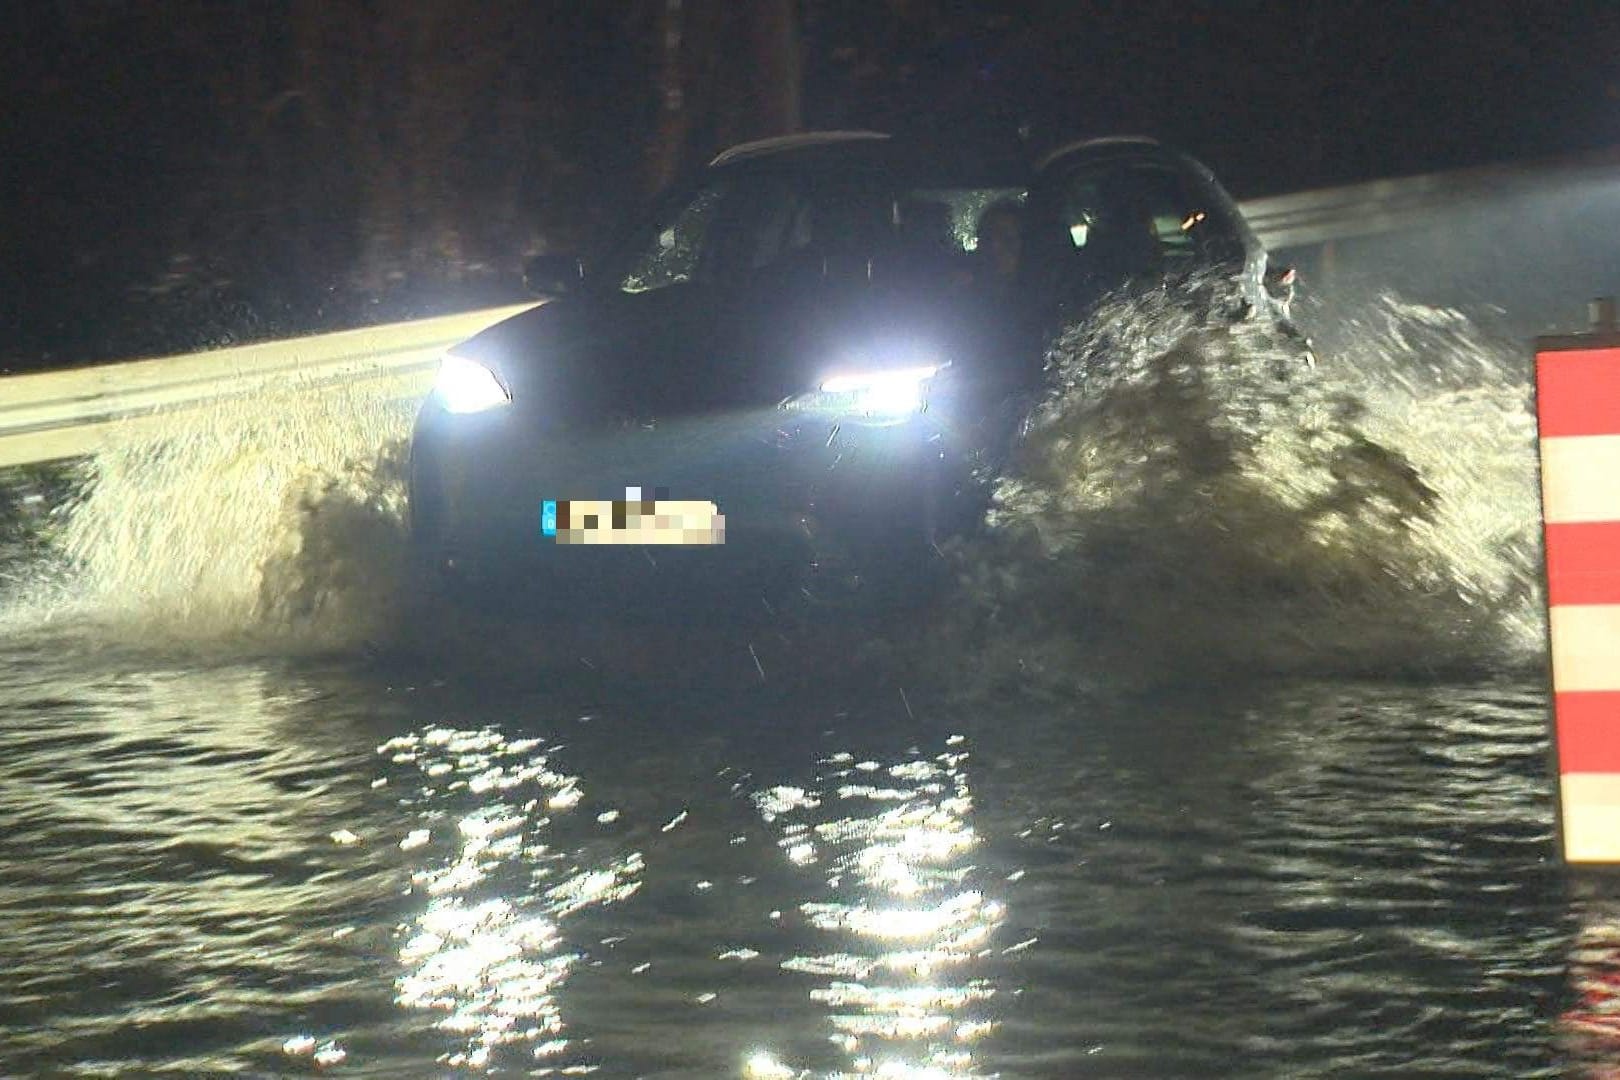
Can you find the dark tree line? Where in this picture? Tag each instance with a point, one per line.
(180, 173)
(199, 171)
(187, 172)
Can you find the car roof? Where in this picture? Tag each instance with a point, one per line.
(1128, 148)
(857, 145)
(958, 162)
(781, 144)
(1090, 147)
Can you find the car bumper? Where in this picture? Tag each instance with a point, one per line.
(478, 484)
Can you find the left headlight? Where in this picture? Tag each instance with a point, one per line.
(466, 386)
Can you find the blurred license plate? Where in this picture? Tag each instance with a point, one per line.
(632, 521)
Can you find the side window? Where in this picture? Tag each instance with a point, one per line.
(1143, 219)
(677, 248)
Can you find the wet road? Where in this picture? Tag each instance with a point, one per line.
(1225, 757)
(281, 868)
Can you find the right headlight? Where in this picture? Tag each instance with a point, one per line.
(893, 392)
(466, 386)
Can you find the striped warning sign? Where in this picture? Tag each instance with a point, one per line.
(1578, 413)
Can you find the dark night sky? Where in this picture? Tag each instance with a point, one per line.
(1285, 95)
(258, 159)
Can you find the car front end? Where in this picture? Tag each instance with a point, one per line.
(876, 455)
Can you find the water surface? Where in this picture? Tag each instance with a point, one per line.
(1226, 756)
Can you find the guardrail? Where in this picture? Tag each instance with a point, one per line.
(64, 414)
(1380, 206)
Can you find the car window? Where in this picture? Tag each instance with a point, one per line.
(1138, 218)
(784, 223)
(803, 219)
(676, 248)
(963, 210)
(782, 220)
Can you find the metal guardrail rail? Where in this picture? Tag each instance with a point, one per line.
(54, 415)
(63, 414)
(1308, 218)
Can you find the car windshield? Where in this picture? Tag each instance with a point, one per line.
(776, 221)
(673, 250)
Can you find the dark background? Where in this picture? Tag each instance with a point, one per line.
(176, 174)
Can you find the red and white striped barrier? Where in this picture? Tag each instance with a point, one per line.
(1578, 410)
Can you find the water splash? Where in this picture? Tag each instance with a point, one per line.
(276, 519)
(1197, 501)
(1188, 501)
(277, 526)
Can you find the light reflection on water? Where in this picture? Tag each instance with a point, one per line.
(903, 920)
(272, 870)
(487, 950)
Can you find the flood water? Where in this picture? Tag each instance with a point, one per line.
(1226, 758)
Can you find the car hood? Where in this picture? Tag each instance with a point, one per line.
(594, 357)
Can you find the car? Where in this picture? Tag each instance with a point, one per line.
(825, 342)
(1113, 214)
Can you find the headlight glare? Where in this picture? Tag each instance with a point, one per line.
(466, 386)
(893, 392)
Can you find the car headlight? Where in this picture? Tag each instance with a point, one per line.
(894, 392)
(466, 386)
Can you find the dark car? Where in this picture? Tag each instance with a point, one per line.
(828, 339)
(1119, 213)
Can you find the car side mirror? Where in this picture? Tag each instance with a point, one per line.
(553, 275)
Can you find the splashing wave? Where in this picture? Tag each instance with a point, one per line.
(1190, 500)
(274, 520)
(1187, 501)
